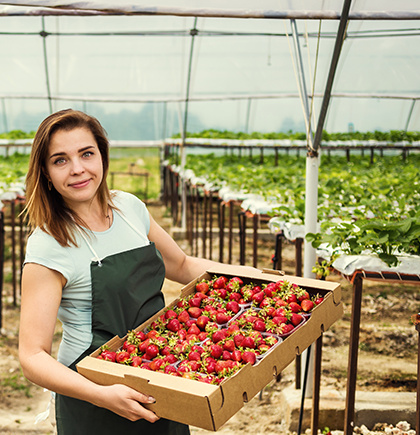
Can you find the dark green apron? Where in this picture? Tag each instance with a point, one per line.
(126, 291)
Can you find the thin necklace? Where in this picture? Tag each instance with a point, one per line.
(109, 220)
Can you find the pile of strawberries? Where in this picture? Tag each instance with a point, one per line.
(216, 330)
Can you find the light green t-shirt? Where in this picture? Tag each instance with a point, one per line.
(74, 264)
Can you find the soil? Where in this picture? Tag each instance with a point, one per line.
(387, 355)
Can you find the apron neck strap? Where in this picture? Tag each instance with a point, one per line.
(96, 256)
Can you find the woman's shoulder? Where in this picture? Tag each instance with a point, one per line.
(123, 199)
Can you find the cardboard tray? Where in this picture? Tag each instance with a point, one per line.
(211, 406)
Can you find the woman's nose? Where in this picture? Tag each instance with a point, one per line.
(77, 167)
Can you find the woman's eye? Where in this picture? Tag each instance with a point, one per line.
(88, 154)
(59, 161)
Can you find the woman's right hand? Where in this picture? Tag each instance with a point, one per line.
(126, 402)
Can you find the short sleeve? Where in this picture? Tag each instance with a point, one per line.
(43, 249)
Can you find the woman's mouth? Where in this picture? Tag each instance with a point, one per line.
(80, 184)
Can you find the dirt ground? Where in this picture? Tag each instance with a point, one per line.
(387, 352)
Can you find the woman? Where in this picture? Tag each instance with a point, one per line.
(97, 260)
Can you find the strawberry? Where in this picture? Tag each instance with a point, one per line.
(122, 357)
(295, 307)
(194, 356)
(131, 348)
(202, 322)
(135, 361)
(195, 312)
(222, 318)
(143, 345)
(235, 296)
(219, 334)
(249, 357)
(233, 306)
(229, 345)
(220, 282)
(286, 328)
(248, 342)
(174, 325)
(258, 297)
(226, 355)
(318, 300)
(259, 325)
(171, 370)
(202, 287)
(238, 339)
(236, 355)
(141, 336)
(307, 305)
(295, 319)
(203, 335)
(151, 351)
(304, 295)
(183, 316)
(195, 302)
(170, 314)
(215, 351)
(194, 329)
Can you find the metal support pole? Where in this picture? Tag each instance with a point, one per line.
(353, 355)
(193, 33)
(44, 35)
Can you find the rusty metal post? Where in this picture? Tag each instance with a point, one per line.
(221, 216)
(353, 354)
(255, 219)
(230, 232)
(13, 239)
(298, 255)
(242, 236)
(1, 265)
(210, 224)
(316, 385)
(204, 224)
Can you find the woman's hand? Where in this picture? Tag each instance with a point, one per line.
(126, 402)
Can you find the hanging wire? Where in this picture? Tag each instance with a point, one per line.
(307, 125)
(44, 35)
(311, 111)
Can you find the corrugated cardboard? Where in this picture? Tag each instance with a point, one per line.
(210, 406)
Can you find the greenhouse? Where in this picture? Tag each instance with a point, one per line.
(282, 136)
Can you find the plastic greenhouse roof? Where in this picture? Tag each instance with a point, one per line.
(111, 57)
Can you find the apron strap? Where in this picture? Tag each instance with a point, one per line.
(95, 255)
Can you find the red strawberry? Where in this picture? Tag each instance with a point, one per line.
(215, 351)
(248, 342)
(249, 357)
(194, 356)
(169, 370)
(258, 297)
(174, 325)
(296, 319)
(195, 312)
(233, 306)
(307, 305)
(286, 328)
(222, 318)
(195, 302)
(226, 355)
(229, 345)
(122, 357)
(220, 282)
(131, 348)
(318, 300)
(218, 335)
(236, 355)
(141, 335)
(194, 329)
(259, 325)
(235, 296)
(202, 287)
(295, 307)
(170, 314)
(303, 296)
(238, 339)
(108, 355)
(151, 351)
(135, 361)
(202, 322)
(143, 345)
(183, 316)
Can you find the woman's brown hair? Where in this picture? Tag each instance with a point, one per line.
(45, 207)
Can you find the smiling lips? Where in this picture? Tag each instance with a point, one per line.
(80, 184)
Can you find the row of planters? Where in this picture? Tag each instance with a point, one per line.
(361, 207)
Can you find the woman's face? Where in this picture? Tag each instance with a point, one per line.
(74, 165)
